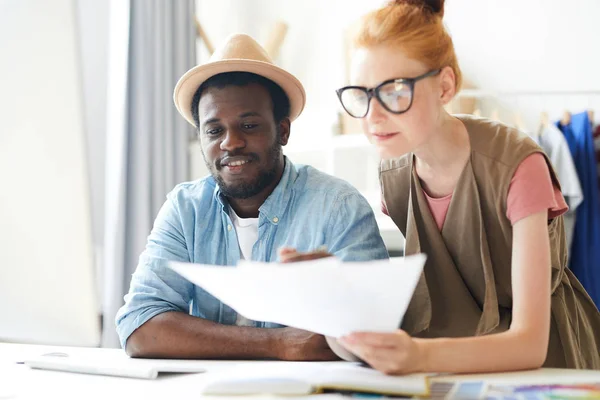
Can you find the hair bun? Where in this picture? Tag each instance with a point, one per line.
(433, 6)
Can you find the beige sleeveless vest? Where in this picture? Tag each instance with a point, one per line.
(465, 289)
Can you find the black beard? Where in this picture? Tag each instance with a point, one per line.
(247, 190)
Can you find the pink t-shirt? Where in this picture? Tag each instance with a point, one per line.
(531, 190)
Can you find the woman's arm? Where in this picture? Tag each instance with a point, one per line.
(523, 346)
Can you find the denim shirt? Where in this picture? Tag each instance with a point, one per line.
(307, 209)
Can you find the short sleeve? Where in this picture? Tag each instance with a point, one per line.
(531, 191)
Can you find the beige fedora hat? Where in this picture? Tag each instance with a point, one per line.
(239, 53)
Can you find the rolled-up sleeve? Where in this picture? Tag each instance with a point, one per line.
(155, 288)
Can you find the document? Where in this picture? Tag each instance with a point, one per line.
(112, 363)
(325, 296)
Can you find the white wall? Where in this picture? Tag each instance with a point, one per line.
(530, 46)
(47, 291)
(92, 34)
(92, 27)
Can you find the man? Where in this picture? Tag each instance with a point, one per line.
(255, 203)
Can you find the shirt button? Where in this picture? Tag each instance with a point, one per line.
(275, 219)
(228, 227)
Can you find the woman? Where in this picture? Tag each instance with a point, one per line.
(479, 198)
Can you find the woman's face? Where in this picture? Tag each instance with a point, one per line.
(398, 134)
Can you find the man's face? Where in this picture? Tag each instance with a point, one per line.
(241, 142)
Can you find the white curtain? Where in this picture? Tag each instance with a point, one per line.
(152, 44)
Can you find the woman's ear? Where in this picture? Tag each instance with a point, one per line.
(447, 85)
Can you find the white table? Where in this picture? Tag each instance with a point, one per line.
(17, 381)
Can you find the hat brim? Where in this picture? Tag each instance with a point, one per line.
(190, 82)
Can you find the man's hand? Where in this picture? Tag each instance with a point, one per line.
(299, 345)
(290, 255)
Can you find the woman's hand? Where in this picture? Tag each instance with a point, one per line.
(391, 353)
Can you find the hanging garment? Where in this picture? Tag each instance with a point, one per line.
(554, 144)
(585, 249)
(466, 287)
(597, 148)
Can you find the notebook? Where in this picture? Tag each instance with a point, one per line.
(308, 378)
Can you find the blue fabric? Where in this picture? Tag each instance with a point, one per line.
(585, 249)
(306, 210)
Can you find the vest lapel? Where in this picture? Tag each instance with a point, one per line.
(464, 215)
(418, 314)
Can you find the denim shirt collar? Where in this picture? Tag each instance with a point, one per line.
(274, 206)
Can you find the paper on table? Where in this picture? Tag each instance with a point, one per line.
(114, 364)
(327, 296)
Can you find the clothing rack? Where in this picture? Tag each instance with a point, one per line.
(478, 93)
(519, 114)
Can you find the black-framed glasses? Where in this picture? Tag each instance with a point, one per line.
(395, 95)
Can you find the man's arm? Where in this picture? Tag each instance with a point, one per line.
(177, 335)
(155, 321)
(353, 234)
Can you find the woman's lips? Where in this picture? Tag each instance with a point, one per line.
(383, 136)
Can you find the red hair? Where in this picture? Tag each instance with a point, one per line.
(416, 27)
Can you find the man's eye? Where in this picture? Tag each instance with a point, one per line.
(214, 131)
(250, 126)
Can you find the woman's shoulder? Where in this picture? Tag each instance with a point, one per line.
(497, 142)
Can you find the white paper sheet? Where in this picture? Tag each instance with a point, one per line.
(324, 296)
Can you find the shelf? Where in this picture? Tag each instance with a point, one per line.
(474, 94)
(332, 143)
(484, 94)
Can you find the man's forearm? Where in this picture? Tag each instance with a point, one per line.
(179, 335)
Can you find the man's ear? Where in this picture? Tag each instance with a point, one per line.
(201, 148)
(284, 131)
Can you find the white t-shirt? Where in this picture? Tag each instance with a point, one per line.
(247, 233)
(246, 230)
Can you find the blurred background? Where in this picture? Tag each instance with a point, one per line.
(90, 142)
